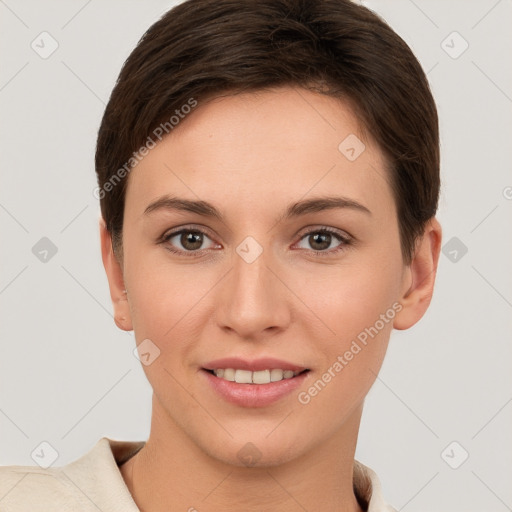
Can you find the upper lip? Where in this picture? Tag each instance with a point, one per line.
(265, 363)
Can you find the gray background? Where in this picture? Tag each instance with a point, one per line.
(68, 376)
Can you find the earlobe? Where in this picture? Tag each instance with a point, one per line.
(114, 271)
(420, 277)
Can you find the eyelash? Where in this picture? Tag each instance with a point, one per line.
(345, 241)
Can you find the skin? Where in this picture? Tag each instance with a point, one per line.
(251, 155)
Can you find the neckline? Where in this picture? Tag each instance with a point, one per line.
(123, 451)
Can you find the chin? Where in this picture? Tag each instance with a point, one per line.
(255, 451)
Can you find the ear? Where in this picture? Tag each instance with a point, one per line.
(115, 278)
(419, 277)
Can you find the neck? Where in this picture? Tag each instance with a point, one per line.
(171, 473)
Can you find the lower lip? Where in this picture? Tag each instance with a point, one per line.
(254, 395)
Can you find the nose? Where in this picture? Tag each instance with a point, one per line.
(253, 302)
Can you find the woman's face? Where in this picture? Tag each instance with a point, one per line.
(269, 282)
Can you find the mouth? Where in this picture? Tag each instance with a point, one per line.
(258, 383)
(258, 377)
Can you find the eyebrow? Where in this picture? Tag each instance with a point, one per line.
(294, 210)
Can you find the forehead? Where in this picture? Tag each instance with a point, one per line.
(263, 146)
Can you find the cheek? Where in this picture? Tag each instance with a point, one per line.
(358, 304)
(166, 309)
(165, 300)
(352, 297)
(360, 310)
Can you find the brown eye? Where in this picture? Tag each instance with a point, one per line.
(323, 241)
(320, 241)
(191, 241)
(187, 241)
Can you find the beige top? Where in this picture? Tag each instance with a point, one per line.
(94, 482)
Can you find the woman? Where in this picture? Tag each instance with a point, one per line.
(268, 174)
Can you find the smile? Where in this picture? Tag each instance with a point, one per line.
(259, 388)
(257, 377)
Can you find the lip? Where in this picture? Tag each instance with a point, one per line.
(265, 363)
(253, 395)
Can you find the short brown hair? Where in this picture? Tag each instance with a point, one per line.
(202, 48)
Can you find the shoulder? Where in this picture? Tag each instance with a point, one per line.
(24, 488)
(368, 489)
(89, 483)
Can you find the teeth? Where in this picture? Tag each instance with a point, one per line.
(259, 377)
(276, 375)
(243, 377)
(229, 374)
